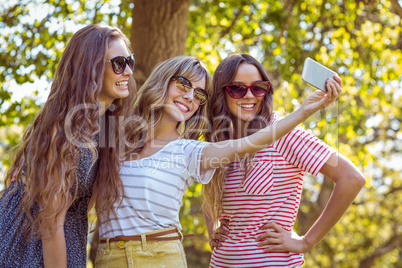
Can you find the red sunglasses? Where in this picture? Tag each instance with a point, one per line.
(238, 91)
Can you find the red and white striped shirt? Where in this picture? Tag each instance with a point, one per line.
(270, 192)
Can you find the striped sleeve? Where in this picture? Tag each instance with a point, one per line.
(192, 152)
(304, 150)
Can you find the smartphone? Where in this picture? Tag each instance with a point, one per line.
(316, 74)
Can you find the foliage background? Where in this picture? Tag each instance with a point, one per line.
(361, 40)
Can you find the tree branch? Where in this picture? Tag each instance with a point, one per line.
(8, 14)
(228, 29)
(393, 243)
(288, 7)
(393, 190)
(397, 7)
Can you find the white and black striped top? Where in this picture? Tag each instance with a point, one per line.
(154, 187)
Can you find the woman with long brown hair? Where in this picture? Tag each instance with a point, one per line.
(69, 154)
(164, 156)
(251, 205)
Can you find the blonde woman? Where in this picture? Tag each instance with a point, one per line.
(164, 156)
(64, 157)
(255, 200)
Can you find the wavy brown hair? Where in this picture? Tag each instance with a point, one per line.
(69, 117)
(222, 124)
(151, 98)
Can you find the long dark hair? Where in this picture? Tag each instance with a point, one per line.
(222, 122)
(71, 112)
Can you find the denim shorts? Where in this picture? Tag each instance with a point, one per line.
(139, 254)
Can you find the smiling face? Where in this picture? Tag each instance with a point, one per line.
(249, 106)
(115, 86)
(180, 105)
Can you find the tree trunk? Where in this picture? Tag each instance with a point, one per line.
(158, 32)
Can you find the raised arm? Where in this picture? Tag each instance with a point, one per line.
(215, 155)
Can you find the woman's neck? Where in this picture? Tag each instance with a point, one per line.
(164, 132)
(104, 107)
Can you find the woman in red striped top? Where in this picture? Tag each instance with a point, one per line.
(255, 200)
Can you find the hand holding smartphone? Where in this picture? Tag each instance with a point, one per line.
(316, 74)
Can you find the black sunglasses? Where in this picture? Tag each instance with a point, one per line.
(119, 63)
(238, 91)
(182, 83)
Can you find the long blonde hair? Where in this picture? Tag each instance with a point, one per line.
(77, 83)
(222, 121)
(152, 95)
